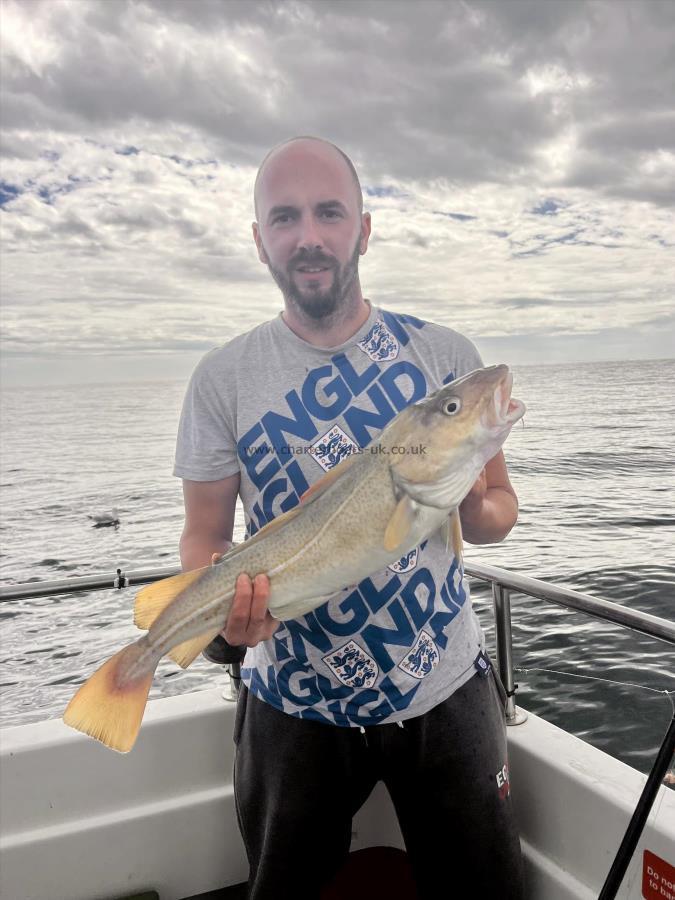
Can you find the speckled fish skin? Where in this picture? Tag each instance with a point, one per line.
(335, 538)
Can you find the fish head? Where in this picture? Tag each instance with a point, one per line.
(445, 440)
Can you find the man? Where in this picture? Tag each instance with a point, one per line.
(388, 679)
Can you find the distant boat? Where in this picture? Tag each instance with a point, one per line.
(105, 519)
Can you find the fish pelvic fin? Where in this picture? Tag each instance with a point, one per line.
(328, 479)
(185, 654)
(400, 524)
(110, 707)
(154, 599)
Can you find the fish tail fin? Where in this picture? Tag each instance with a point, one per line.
(110, 705)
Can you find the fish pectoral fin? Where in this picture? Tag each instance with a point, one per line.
(328, 479)
(154, 599)
(400, 524)
(456, 538)
(186, 653)
(444, 532)
(451, 534)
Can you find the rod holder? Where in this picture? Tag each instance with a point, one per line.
(233, 685)
(501, 601)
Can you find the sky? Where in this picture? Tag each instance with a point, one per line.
(517, 158)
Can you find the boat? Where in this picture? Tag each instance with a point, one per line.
(82, 823)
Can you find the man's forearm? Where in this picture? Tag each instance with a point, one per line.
(489, 520)
(197, 550)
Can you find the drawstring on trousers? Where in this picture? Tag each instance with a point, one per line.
(363, 730)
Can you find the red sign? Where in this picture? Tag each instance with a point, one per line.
(658, 878)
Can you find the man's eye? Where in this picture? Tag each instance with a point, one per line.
(331, 213)
(281, 219)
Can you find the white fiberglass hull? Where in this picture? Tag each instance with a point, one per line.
(80, 822)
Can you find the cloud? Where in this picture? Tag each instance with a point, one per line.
(519, 164)
(472, 91)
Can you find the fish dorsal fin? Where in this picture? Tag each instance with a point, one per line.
(154, 599)
(400, 524)
(271, 527)
(184, 654)
(277, 522)
(328, 479)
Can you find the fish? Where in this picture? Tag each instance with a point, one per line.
(367, 512)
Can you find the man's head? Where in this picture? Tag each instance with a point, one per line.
(310, 228)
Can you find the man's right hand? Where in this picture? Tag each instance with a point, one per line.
(250, 621)
(209, 520)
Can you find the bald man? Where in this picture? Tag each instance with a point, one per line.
(388, 680)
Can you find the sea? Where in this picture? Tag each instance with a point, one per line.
(593, 466)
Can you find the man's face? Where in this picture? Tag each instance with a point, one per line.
(310, 232)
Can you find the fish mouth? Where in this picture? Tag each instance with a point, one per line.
(504, 410)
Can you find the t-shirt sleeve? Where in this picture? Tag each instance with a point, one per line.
(467, 357)
(206, 449)
(452, 354)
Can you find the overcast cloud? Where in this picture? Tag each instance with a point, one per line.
(518, 159)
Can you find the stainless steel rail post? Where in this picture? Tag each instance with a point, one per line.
(501, 601)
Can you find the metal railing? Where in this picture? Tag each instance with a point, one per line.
(503, 584)
(30, 590)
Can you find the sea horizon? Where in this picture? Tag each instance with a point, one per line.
(161, 379)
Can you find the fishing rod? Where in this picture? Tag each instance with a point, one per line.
(640, 814)
(31, 589)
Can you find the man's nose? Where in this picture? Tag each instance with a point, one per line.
(309, 237)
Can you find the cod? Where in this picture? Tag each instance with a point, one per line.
(367, 512)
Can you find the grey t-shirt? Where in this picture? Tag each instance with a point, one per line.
(281, 412)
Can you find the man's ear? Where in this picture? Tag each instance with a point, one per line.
(262, 256)
(365, 232)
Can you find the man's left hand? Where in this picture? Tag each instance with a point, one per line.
(490, 509)
(469, 508)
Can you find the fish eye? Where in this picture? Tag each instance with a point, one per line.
(452, 406)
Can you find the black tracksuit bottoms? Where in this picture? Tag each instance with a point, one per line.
(298, 783)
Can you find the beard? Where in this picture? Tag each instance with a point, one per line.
(318, 303)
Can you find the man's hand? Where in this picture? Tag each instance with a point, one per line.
(470, 506)
(250, 621)
(490, 509)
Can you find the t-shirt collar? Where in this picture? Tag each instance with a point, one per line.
(287, 334)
